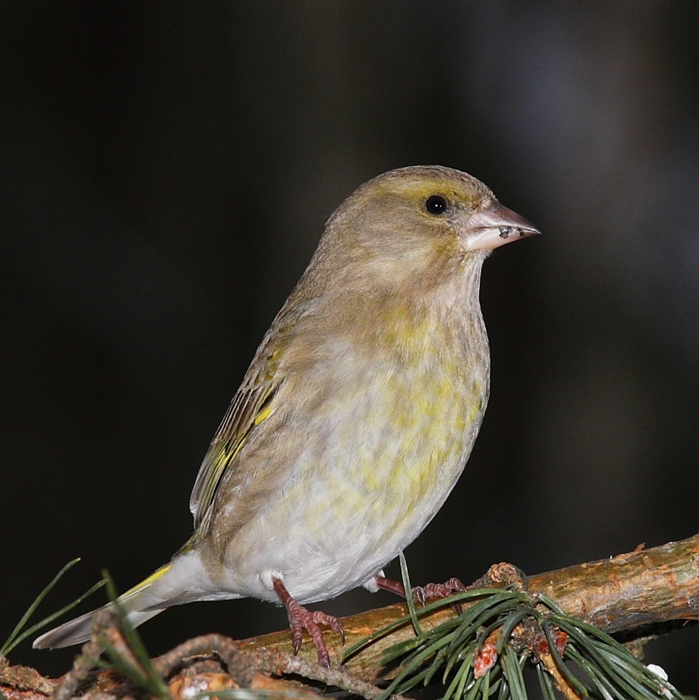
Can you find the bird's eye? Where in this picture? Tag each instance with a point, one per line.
(436, 205)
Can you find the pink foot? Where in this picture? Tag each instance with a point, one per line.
(438, 590)
(301, 619)
(422, 593)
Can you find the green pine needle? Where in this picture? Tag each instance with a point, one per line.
(409, 593)
(144, 675)
(593, 663)
(17, 636)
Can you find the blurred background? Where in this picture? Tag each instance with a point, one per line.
(167, 168)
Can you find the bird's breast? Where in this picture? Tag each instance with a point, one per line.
(374, 436)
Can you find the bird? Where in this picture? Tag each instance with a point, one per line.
(356, 416)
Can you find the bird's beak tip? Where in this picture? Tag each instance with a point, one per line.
(496, 225)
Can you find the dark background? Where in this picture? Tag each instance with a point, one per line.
(166, 171)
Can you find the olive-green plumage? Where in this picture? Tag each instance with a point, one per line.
(359, 409)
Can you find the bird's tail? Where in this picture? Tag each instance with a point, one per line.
(171, 584)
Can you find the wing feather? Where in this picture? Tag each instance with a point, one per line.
(250, 406)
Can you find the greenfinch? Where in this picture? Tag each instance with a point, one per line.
(357, 414)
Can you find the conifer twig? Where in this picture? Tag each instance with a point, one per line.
(630, 592)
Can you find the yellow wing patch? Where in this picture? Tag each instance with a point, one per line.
(247, 411)
(263, 415)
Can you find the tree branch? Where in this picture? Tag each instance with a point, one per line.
(631, 593)
(628, 592)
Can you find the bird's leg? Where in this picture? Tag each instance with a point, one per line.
(300, 618)
(422, 593)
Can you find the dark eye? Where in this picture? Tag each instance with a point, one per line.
(436, 205)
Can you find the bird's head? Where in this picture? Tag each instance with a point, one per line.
(420, 224)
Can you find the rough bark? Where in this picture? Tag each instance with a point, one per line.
(635, 593)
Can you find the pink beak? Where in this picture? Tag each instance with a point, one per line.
(494, 225)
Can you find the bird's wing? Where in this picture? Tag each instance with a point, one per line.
(248, 409)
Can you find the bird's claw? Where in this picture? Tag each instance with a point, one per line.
(300, 619)
(439, 590)
(421, 593)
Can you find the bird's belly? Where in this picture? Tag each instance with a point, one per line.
(363, 487)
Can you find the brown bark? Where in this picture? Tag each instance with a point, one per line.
(630, 591)
(627, 593)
